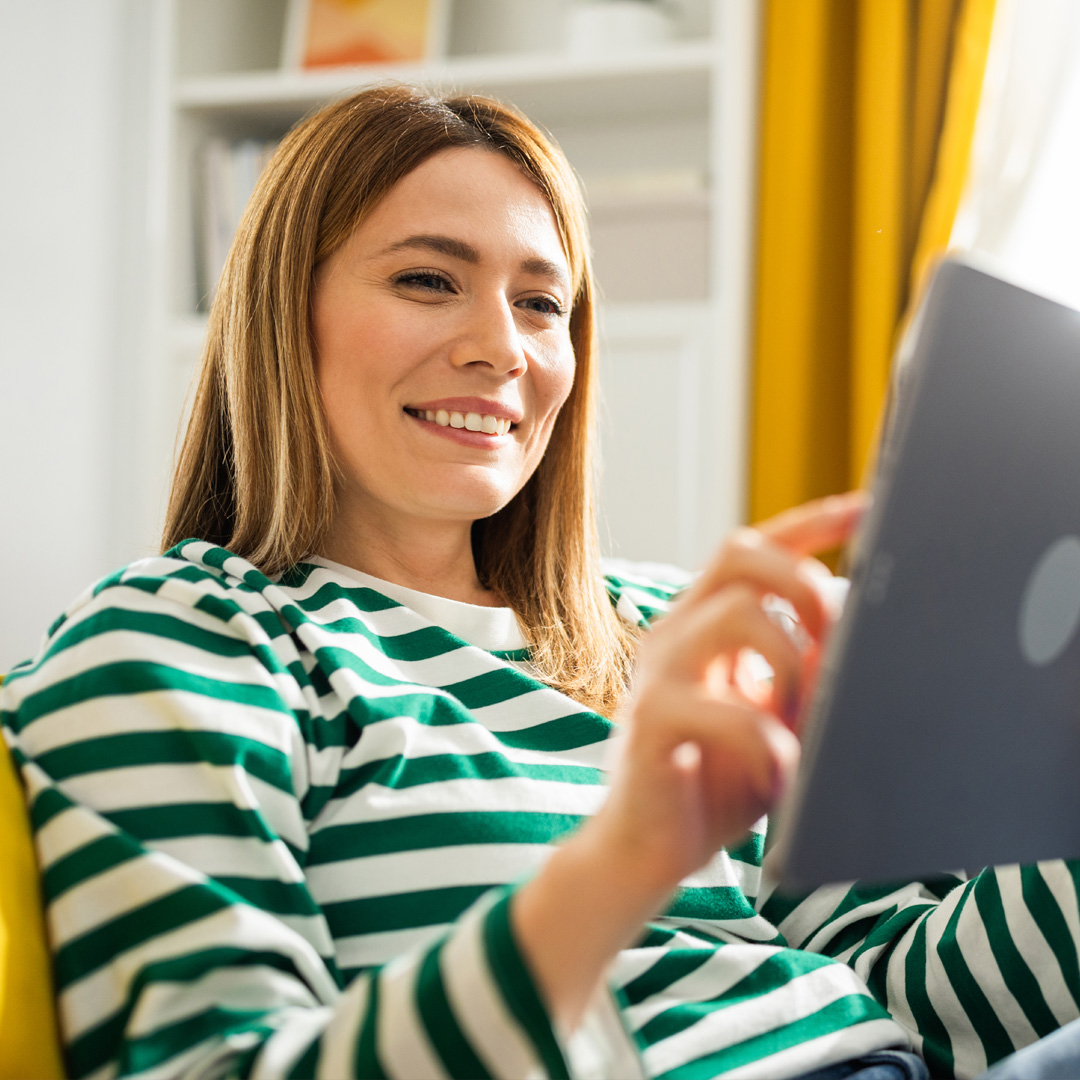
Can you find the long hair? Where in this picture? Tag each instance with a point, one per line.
(255, 472)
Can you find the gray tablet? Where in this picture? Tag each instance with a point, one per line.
(945, 729)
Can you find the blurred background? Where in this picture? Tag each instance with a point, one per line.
(768, 181)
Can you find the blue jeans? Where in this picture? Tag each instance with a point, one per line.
(1055, 1057)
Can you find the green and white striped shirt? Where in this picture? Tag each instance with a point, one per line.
(280, 824)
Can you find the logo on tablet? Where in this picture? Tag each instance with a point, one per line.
(1050, 607)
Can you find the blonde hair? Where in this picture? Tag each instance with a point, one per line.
(255, 472)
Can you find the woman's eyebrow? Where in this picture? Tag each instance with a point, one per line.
(459, 249)
(444, 245)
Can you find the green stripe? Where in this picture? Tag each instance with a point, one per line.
(441, 1024)
(1014, 969)
(96, 857)
(838, 1015)
(367, 1053)
(937, 1046)
(307, 1064)
(96, 1047)
(773, 973)
(422, 644)
(141, 677)
(518, 989)
(421, 831)
(674, 964)
(152, 623)
(404, 772)
(93, 950)
(169, 746)
(401, 911)
(1049, 918)
(711, 903)
(192, 819)
(151, 1051)
(989, 1029)
(272, 895)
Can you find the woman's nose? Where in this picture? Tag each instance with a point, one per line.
(491, 337)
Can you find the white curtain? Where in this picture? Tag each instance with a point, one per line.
(1021, 205)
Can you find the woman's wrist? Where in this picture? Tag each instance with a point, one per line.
(571, 920)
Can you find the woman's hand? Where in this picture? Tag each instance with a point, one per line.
(705, 752)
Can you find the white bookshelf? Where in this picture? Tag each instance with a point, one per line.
(664, 140)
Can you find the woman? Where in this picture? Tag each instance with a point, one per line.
(297, 783)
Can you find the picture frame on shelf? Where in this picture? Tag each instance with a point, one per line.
(322, 34)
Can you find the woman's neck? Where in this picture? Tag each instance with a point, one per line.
(435, 559)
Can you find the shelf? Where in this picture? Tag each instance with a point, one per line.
(555, 89)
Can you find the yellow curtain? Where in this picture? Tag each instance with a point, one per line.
(868, 112)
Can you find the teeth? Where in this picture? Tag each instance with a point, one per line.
(489, 425)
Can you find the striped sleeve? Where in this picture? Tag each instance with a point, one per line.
(973, 969)
(162, 740)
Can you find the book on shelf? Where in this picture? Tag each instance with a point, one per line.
(227, 173)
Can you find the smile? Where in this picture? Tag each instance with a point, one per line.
(470, 421)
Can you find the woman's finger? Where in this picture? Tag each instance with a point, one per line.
(749, 558)
(819, 525)
(720, 626)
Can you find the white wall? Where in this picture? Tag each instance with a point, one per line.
(71, 322)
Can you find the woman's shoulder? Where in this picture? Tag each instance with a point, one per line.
(196, 607)
(643, 591)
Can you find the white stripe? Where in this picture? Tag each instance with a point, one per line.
(800, 997)
(410, 737)
(139, 786)
(872, 908)
(450, 667)
(67, 832)
(368, 950)
(233, 856)
(831, 1049)
(249, 988)
(721, 971)
(896, 997)
(163, 711)
(338, 1057)
(286, 1046)
(478, 1005)
(967, 1049)
(401, 1039)
(209, 1058)
(1031, 943)
(807, 918)
(975, 947)
(1062, 887)
(505, 793)
(98, 995)
(115, 891)
(432, 868)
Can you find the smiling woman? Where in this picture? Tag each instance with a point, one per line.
(326, 788)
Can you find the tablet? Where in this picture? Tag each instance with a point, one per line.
(944, 731)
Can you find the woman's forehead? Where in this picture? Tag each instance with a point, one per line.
(473, 195)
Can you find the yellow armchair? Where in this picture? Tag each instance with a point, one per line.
(29, 1044)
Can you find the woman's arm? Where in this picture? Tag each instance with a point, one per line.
(700, 760)
(163, 741)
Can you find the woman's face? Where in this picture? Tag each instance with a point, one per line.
(442, 343)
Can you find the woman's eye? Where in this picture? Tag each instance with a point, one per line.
(545, 305)
(427, 280)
